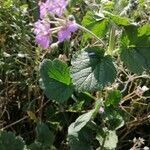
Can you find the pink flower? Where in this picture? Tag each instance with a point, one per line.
(42, 32)
(54, 7)
(43, 10)
(66, 30)
(101, 110)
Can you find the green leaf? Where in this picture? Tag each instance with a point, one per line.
(121, 21)
(113, 98)
(8, 3)
(108, 5)
(78, 106)
(135, 48)
(44, 135)
(59, 71)
(134, 36)
(35, 146)
(74, 3)
(56, 80)
(39, 146)
(83, 141)
(113, 117)
(110, 139)
(144, 30)
(8, 141)
(91, 70)
(80, 122)
(137, 60)
(75, 135)
(97, 26)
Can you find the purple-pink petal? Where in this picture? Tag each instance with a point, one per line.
(43, 41)
(54, 7)
(66, 30)
(42, 32)
(63, 35)
(72, 26)
(59, 7)
(43, 10)
(101, 110)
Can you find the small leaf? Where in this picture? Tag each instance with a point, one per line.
(110, 139)
(91, 70)
(113, 98)
(56, 80)
(32, 116)
(8, 3)
(8, 141)
(109, 5)
(144, 30)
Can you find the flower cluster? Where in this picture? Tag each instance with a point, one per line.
(52, 21)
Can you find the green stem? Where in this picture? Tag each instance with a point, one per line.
(97, 107)
(88, 31)
(102, 147)
(112, 40)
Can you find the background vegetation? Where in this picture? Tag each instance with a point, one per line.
(29, 120)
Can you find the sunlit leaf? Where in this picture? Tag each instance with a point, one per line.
(135, 48)
(56, 80)
(91, 70)
(97, 26)
(113, 98)
(109, 140)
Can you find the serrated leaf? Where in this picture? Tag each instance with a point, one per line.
(8, 141)
(44, 135)
(91, 70)
(113, 98)
(110, 139)
(56, 80)
(97, 26)
(135, 48)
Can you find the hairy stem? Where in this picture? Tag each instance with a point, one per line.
(112, 40)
